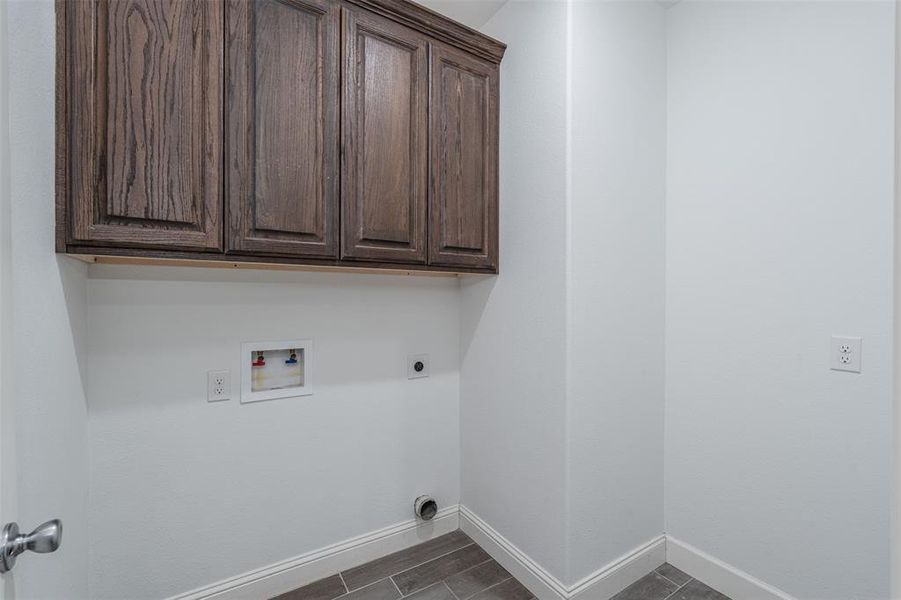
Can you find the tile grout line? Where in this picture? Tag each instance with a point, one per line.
(431, 559)
(676, 591)
(347, 593)
(425, 563)
(471, 543)
(490, 587)
(441, 580)
(454, 594)
(466, 570)
(394, 583)
(444, 581)
(656, 572)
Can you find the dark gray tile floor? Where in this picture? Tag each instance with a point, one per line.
(669, 583)
(450, 567)
(453, 567)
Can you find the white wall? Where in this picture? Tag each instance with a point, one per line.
(513, 373)
(225, 488)
(779, 152)
(562, 441)
(779, 234)
(48, 310)
(473, 13)
(616, 262)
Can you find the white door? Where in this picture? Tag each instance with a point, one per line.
(43, 454)
(7, 465)
(896, 503)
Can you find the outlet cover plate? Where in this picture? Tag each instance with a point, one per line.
(417, 360)
(218, 386)
(844, 354)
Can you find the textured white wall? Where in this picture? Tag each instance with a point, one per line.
(779, 234)
(48, 310)
(473, 13)
(779, 151)
(513, 377)
(282, 477)
(562, 440)
(618, 154)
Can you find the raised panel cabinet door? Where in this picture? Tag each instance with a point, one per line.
(145, 123)
(282, 115)
(463, 222)
(385, 135)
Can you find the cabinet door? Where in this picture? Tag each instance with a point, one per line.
(385, 160)
(282, 114)
(463, 228)
(145, 123)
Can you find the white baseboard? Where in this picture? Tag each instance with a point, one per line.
(541, 583)
(600, 585)
(733, 582)
(298, 571)
(604, 583)
(619, 574)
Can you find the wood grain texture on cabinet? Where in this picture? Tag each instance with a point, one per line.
(385, 152)
(61, 109)
(328, 134)
(464, 137)
(145, 123)
(282, 115)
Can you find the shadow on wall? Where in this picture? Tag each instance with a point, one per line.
(477, 293)
(72, 276)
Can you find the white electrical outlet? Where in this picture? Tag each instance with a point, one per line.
(218, 386)
(844, 354)
(417, 366)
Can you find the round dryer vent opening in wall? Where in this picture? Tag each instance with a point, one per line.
(425, 508)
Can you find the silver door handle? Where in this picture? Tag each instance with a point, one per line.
(45, 538)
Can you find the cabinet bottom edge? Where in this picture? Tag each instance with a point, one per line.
(111, 257)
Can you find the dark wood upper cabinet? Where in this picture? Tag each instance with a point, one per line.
(385, 121)
(464, 131)
(145, 123)
(282, 116)
(326, 133)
